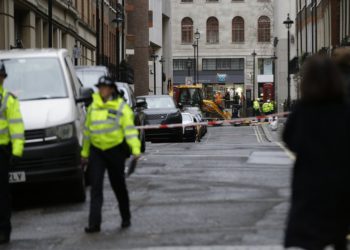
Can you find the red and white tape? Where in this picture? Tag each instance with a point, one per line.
(253, 120)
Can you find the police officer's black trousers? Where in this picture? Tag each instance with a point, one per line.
(114, 161)
(5, 196)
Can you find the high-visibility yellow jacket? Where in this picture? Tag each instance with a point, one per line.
(11, 123)
(108, 124)
(256, 105)
(266, 107)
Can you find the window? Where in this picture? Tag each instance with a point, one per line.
(238, 30)
(181, 64)
(186, 1)
(187, 30)
(264, 29)
(265, 66)
(209, 64)
(212, 30)
(223, 64)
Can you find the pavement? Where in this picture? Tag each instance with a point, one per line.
(229, 191)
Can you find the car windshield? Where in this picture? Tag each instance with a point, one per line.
(186, 118)
(89, 78)
(35, 78)
(191, 97)
(160, 102)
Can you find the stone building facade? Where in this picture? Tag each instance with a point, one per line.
(25, 23)
(230, 31)
(282, 9)
(160, 41)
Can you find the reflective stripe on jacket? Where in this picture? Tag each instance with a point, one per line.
(11, 123)
(108, 124)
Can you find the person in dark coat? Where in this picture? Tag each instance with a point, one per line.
(318, 132)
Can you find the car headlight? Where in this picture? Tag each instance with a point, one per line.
(63, 132)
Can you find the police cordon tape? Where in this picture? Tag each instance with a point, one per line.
(252, 120)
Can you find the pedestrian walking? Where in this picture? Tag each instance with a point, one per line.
(11, 149)
(319, 215)
(108, 136)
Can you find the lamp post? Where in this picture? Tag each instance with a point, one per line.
(197, 36)
(274, 58)
(288, 22)
(189, 66)
(154, 57)
(195, 61)
(162, 61)
(254, 54)
(119, 19)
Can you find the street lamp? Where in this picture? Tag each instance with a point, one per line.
(288, 24)
(119, 19)
(189, 66)
(154, 57)
(162, 61)
(197, 36)
(254, 54)
(195, 61)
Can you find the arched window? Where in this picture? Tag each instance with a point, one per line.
(264, 29)
(187, 30)
(212, 30)
(238, 29)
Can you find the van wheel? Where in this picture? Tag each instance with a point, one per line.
(78, 190)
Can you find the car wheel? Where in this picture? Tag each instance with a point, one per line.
(78, 189)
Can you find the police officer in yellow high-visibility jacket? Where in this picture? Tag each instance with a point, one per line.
(256, 107)
(109, 130)
(11, 149)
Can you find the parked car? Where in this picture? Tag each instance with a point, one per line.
(51, 102)
(189, 132)
(89, 75)
(161, 109)
(137, 107)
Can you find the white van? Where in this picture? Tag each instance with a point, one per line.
(53, 112)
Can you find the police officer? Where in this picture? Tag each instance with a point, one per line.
(11, 149)
(267, 107)
(256, 107)
(109, 133)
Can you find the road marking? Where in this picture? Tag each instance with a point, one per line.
(273, 247)
(204, 156)
(290, 154)
(257, 133)
(208, 136)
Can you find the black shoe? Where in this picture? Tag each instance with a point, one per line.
(126, 224)
(91, 230)
(4, 238)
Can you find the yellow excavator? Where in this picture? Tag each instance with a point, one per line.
(192, 96)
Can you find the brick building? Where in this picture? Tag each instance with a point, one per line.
(322, 25)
